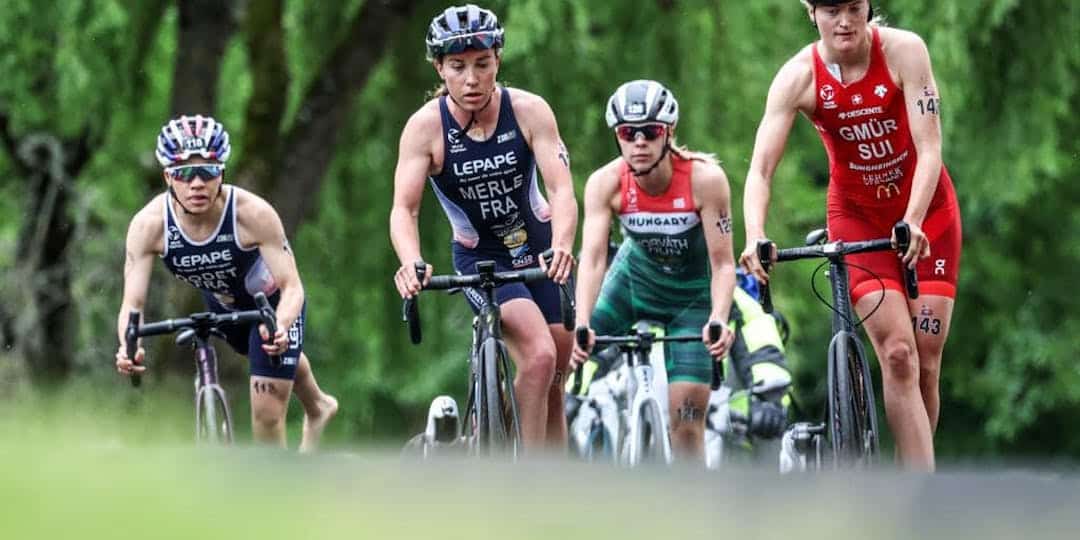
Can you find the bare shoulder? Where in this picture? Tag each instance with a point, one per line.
(709, 182)
(529, 107)
(423, 123)
(147, 228)
(798, 71)
(794, 81)
(708, 172)
(607, 176)
(901, 46)
(254, 212)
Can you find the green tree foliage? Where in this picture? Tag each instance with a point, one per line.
(1006, 71)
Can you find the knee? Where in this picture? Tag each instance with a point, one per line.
(900, 362)
(538, 367)
(687, 435)
(267, 416)
(929, 375)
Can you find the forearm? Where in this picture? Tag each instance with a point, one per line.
(923, 185)
(589, 278)
(290, 304)
(405, 235)
(721, 288)
(755, 205)
(564, 217)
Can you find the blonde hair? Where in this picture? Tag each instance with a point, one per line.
(691, 155)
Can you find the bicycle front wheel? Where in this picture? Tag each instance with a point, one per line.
(213, 421)
(499, 429)
(852, 422)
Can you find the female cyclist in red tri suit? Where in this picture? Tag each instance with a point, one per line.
(870, 92)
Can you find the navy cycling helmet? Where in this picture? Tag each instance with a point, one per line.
(460, 28)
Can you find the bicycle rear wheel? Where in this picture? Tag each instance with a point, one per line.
(213, 420)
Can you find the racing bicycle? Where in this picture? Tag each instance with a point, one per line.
(492, 426)
(851, 420)
(213, 418)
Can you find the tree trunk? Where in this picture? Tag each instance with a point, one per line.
(42, 328)
(312, 140)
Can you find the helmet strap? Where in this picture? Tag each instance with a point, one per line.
(651, 168)
(472, 118)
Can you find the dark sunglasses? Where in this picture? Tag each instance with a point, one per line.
(650, 131)
(187, 173)
(457, 44)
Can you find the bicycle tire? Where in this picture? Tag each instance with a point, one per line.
(843, 430)
(866, 405)
(509, 398)
(648, 446)
(213, 420)
(493, 417)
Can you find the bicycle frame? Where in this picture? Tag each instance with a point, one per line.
(207, 388)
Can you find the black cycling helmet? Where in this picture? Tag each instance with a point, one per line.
(816, 3)
(463, 27)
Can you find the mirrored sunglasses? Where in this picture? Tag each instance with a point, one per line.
(457, 44)
(187, 173)
(651, 131)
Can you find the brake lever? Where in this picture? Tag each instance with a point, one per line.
(902, 231)
(717, 370)
(269, 318)
(765, 253)
(131, 343)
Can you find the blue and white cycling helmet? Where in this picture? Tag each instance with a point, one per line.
(642, 101)
(463, 27)
(187, 136)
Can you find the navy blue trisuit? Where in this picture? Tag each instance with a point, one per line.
(228, 275)
(491, 194)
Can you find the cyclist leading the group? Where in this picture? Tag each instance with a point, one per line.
(480, 145)
(870, 92)
(229, 244)
(676, 264)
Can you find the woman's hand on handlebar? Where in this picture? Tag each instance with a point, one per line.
(748, 259)
(562, 263)
(406, 281)
(717, 349)
(918, 248)
(125, 366)
(280, 343)
(579, 356)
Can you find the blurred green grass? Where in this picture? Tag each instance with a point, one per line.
(121, 464)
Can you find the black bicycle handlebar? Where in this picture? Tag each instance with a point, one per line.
(834, 249)
(197, 321)
(485, 277)
(636, 340)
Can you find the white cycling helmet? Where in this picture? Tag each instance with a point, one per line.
(642, 101)
(186, 136)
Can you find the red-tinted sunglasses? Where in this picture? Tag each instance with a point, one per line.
(651, 131)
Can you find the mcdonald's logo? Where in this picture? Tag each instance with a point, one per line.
(887, 191)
